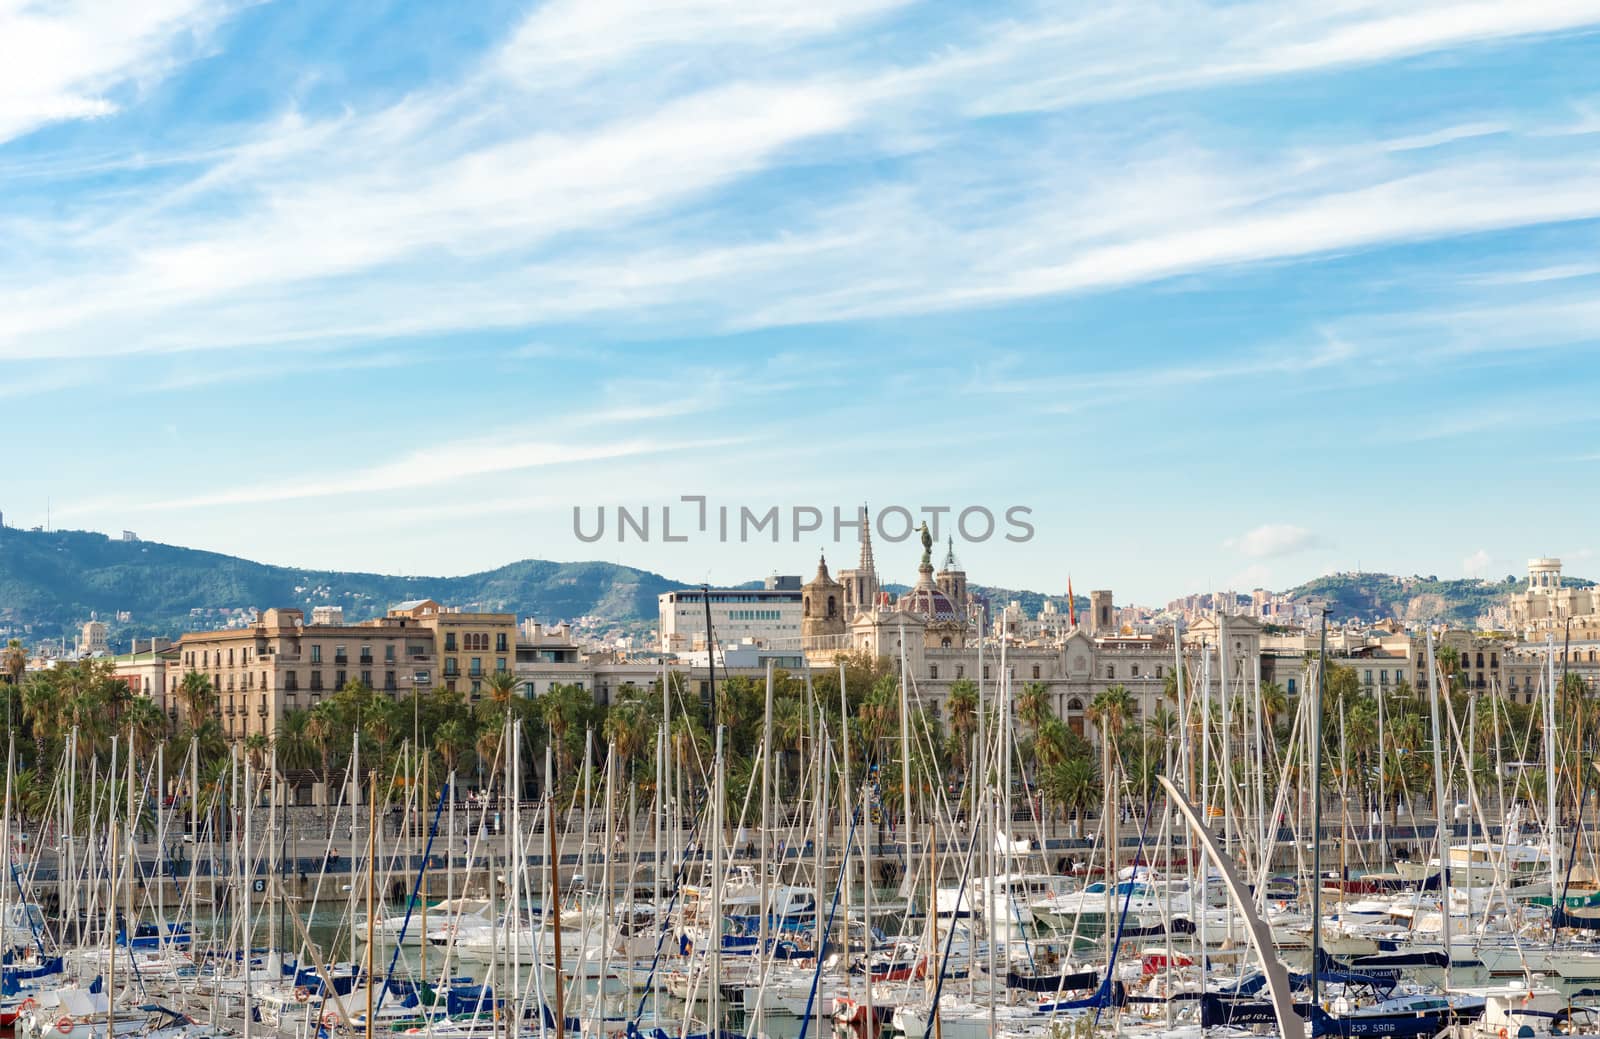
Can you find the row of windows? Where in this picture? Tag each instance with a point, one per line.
(476, 640)
(474, 666)
(1111, 672)
(755, 615)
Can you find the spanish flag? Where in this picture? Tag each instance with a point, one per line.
(1072, 606)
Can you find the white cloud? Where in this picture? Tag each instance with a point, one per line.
(1477, 564)
(60, 60)
(1127, 49)
(480, 204)
(590, 36)
(1273, 539)
(440, 464)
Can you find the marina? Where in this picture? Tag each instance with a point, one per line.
(854, 886)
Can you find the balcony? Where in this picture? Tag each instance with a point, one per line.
(340, 660)
(262, 710)
(366, 658)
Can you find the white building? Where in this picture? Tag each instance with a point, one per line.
(763, 616)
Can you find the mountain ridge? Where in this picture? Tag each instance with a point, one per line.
(52, 581)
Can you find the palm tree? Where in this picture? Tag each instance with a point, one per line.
(147, 725)
(963, 709)
(322, 724)
(560, 708)
(789, 725)
(624, 729)
(501, 687)
(1073, 784)
(1110, 710)
(293, 740)
(256, 746)
(197, 696)
(1033, 705)
(13, 661)
(449, 739)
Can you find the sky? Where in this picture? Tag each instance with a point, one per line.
(1221, 295)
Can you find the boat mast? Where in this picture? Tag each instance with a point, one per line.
(1551, 822)
(1316, 801)
(553, 910)
(1439, 809)
(763, 905)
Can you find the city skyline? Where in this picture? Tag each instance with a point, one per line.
(1281, 292)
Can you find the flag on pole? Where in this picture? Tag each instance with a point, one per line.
(1072, 606)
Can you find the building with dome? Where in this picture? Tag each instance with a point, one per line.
(937, 631)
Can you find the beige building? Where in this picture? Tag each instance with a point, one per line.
(282, 664)
(470, 646)
(1547, 606)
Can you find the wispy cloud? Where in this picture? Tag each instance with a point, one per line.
(1274, 539)
(1129, 49)
(63, 61)
(441, 464)
(355, 226)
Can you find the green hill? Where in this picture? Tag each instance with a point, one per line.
(1413, 599)
(53, 581)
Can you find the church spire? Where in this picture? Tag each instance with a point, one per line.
(866, 566)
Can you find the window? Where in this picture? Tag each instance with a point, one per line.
(366, 654)
(388, 680)
(1135, 670)
(316, 681)
(316, 653)
(500, 663)
(366, 679)
(986, 672)
(961, 671)
(449, 642)
(527, 690)
(1291, 687)
(500, 642)
(1036, 671)
(1158, 670)
(477, 687)
(339, 656)
(944, 643)
(477, 666)
(933, 671)
(450, 668)
(1111, 671)
(388, 653)
(339, 679)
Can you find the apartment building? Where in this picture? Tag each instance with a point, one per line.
(281, 664)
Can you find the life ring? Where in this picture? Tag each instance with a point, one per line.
(64, 1025)
(301, 994)
(329, 1019)
(26, 1005)
(922, 969)
(1503, 1033)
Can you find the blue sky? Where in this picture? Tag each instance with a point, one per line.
(1227, 294)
